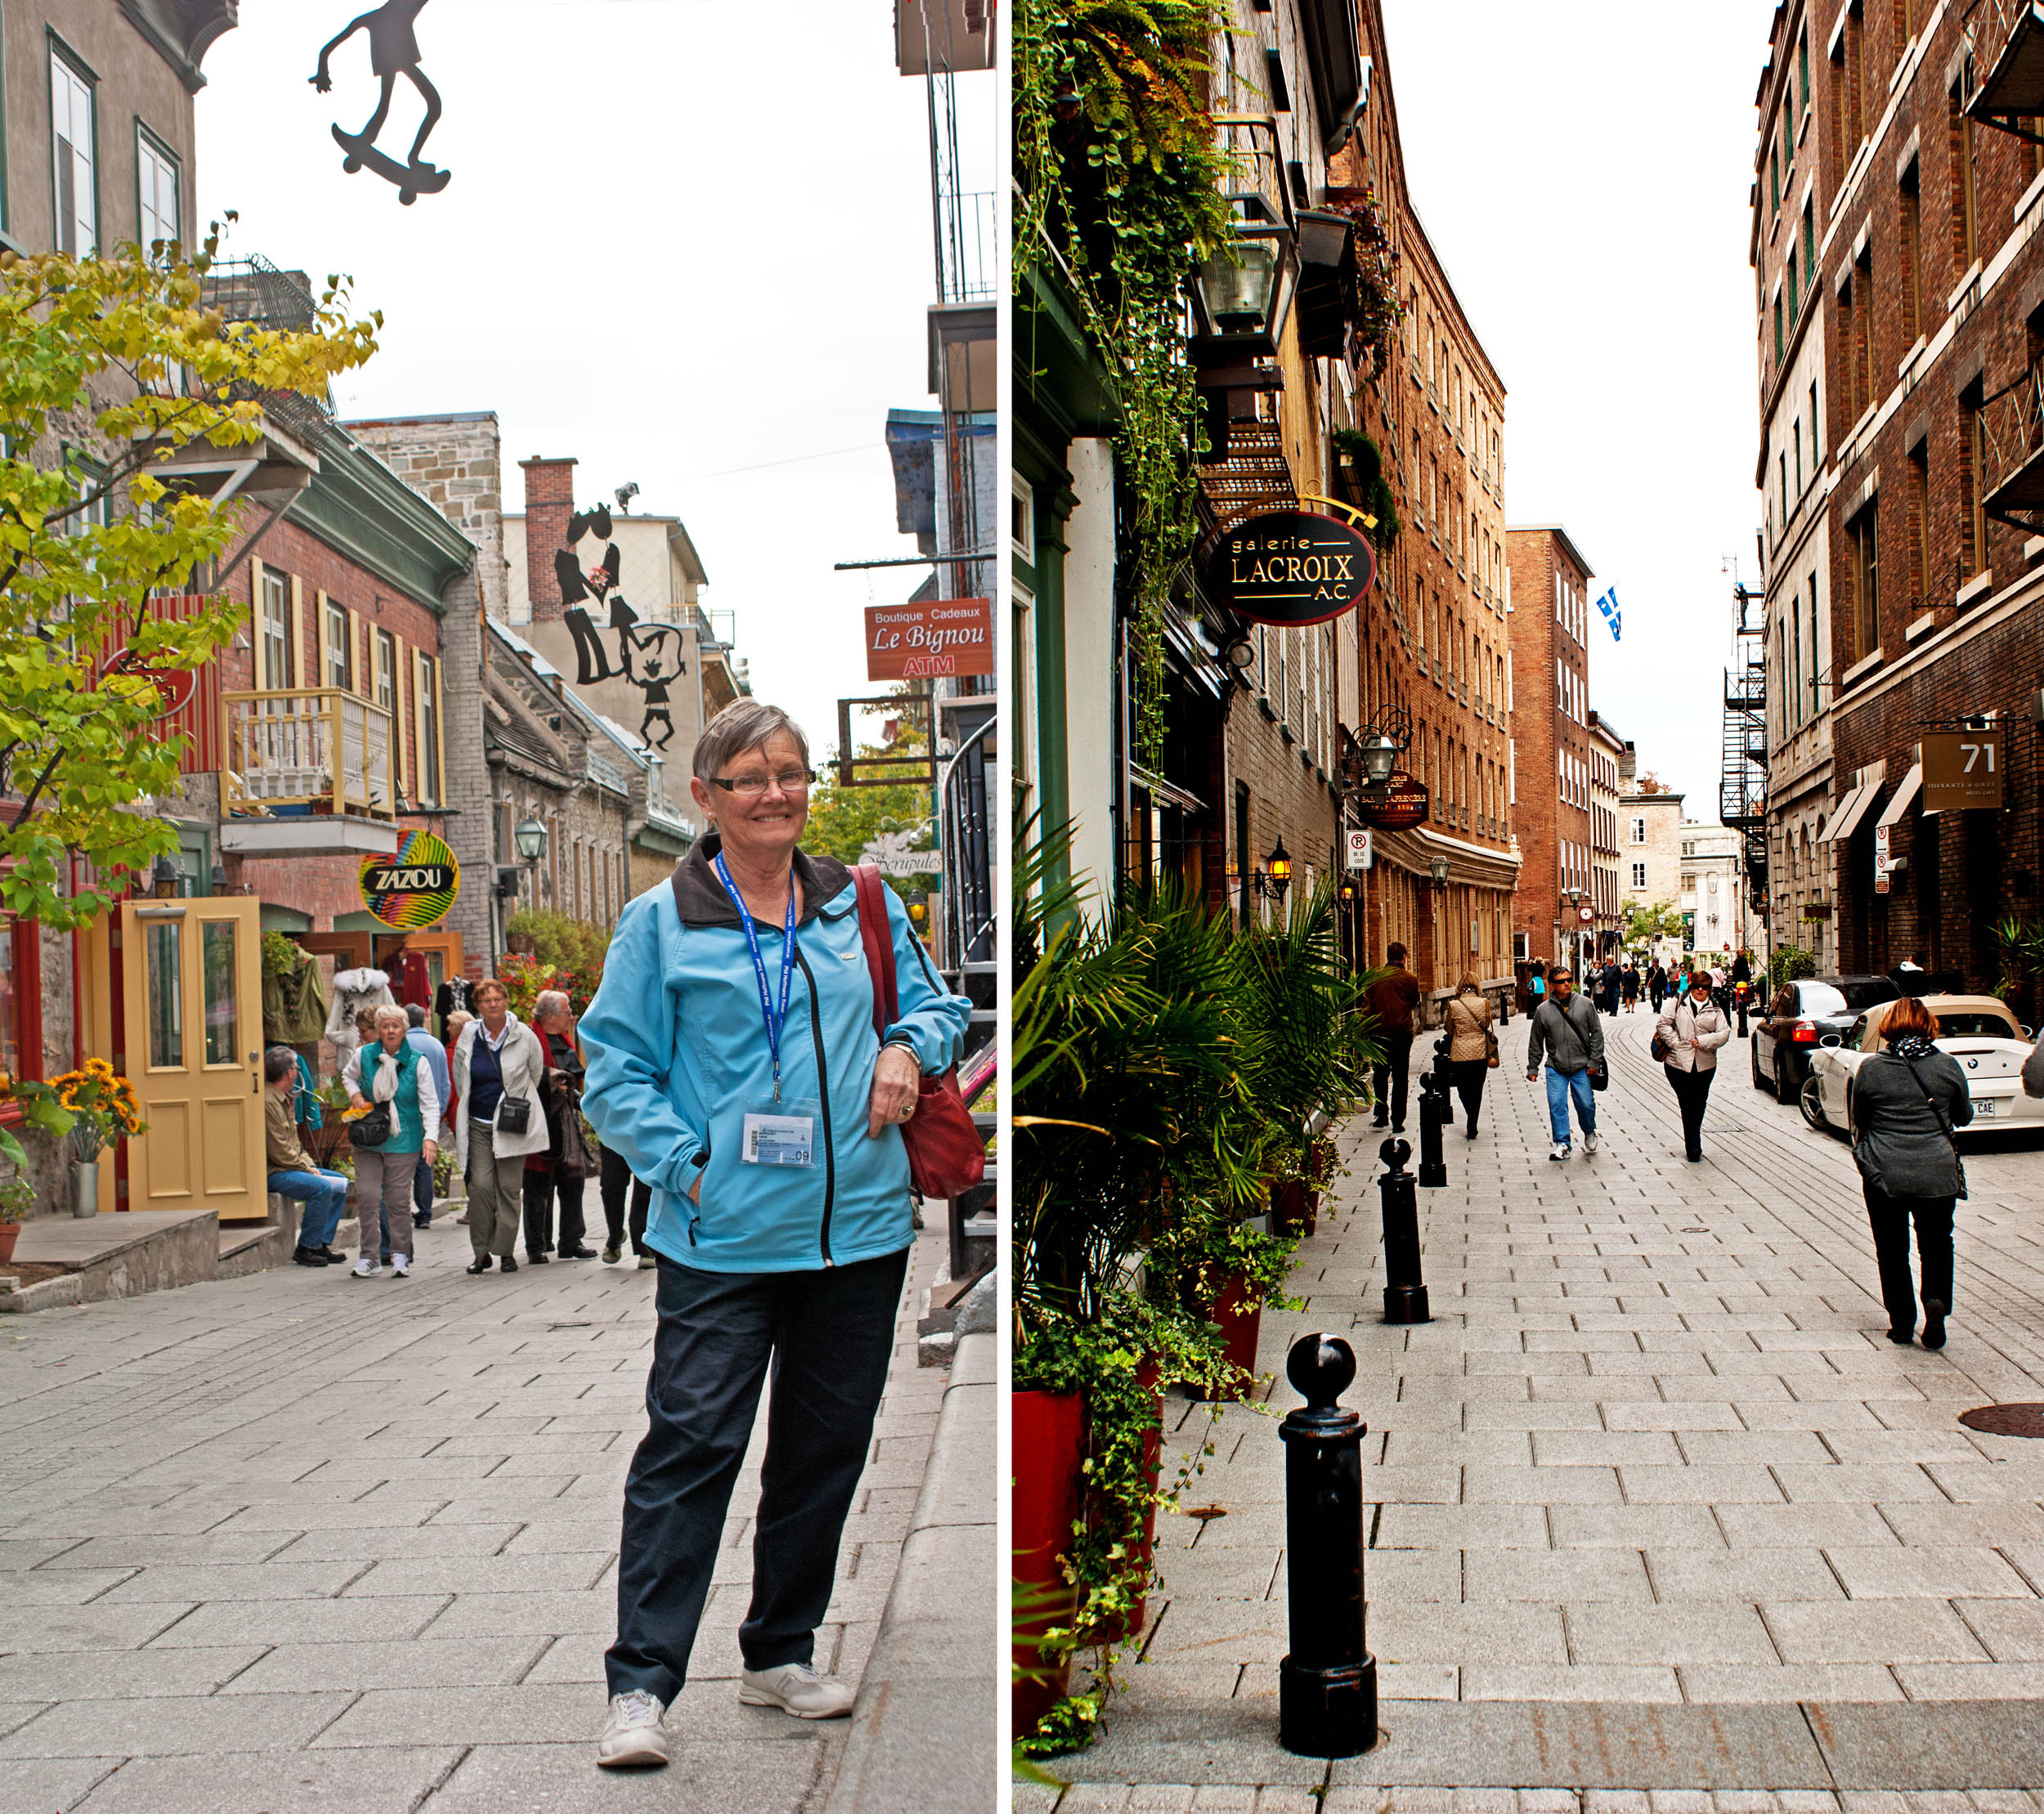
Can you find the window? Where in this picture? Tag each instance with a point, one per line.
(427, 691)
(1688, 849)
(1814, 670)
(1796, 430)
(73, 157)
(1913, 321)
(1796, 664)
(1777, 330)
(1865, 583)
(1803, 66)
(156, 185)
(20, 998)
(1862, 346)
(1965, 244)
(1816, 439)
(1919, 526)
(1973, 519)
(1022, 520)
(1793, 291)
(386, 671)
(340, 645)
(276, 632)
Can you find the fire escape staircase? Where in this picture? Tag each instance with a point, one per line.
(1742, 777)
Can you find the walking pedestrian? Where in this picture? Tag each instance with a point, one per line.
(1628, 985)
(1687, 1037)
(1394, 999)
(1656, 984)
(1567, 1029)
(1471, 1046)
(452, 1026)
(781, 1215)
(1536, 987)
(1904, 1104)
(615, 1178)
(499, 1062)
(391, 1073)
(1610, 979)
(291, 1170)
(560, 1170)
(429, 1049)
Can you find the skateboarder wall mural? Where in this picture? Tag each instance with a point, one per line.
(393, 51)
(646, 659)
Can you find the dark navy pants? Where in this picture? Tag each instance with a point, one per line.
(827, 1336)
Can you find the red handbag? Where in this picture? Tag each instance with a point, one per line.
(946, 1155)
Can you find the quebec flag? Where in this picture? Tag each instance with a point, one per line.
(1608, 604)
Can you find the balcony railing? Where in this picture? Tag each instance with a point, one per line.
(317, 750)
(2008, 45)
(2012, 433)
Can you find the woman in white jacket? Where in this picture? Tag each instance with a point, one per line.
(1690, 1030)
(498, 1060)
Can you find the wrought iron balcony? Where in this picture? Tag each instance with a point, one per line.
(2008, 44)
(2012, 427)
(306, 753)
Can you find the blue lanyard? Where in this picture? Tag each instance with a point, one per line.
(774, 1023)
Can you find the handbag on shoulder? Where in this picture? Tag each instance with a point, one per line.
(370, 1129)
(946, 1154)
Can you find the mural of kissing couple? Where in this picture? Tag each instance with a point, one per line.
(647, 658)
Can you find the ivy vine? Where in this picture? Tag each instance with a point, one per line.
(1120, 181)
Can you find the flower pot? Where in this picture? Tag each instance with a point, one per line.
(1289, 1213)
(1048, 1432)
(1112, 1630)
(1241, 1322)
(85, 1188)
(10, 1233)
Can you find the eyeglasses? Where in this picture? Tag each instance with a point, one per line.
(789, 781)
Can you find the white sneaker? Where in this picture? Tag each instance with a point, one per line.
(1559, 1152)
(797, 1688)
(401, 1263)
(1590, 1142)
(633, 1739)
(647, 1262)
(367, 1269)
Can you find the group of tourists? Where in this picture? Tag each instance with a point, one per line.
(407, 1090)
(751, 1094)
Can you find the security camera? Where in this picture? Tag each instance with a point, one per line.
(625, 493)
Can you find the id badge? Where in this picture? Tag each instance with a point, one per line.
(781, 1133)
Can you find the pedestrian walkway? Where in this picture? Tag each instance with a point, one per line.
(1654, 1504)
(298, 1541)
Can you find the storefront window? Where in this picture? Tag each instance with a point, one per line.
(11, 983)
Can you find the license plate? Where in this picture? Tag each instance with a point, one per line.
(1986, 1108)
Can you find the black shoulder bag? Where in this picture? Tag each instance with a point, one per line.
(1944, 1127)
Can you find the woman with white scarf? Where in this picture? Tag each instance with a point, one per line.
(397, 1077)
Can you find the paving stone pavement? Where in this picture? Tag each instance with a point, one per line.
(1653, 1487)
(297, 1541)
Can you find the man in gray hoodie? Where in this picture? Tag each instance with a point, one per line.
(1567, 1028)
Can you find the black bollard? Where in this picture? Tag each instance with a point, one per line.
(1742, 995)
(1405, 1285)
(1327, 1687)
(1434, 1114)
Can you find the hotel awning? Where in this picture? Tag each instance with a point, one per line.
(1903, 795)
(1845, 821)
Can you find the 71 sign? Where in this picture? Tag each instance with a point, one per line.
(1962, 771)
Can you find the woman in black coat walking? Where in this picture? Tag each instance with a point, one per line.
(1904, 1104)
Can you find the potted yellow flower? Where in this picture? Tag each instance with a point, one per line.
(102, 1109)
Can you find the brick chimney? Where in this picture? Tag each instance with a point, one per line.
(549, 501)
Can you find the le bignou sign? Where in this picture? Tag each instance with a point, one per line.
(939, 636)
(1291, 568)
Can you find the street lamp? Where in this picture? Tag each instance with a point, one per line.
(531, 839)
(1246, 287)
(1440, 867)
(1380, 756)
(164, 879)
(1275, 876)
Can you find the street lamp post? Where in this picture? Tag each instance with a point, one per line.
(530, 839)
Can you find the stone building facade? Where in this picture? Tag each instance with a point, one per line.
(1607, 755)
(1550, 617)
(1901, 261)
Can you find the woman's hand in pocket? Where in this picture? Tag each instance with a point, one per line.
(897, 1082)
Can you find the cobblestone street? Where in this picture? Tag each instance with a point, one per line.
(1653, 1503)
(296, 1541)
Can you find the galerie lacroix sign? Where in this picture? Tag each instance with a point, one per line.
(414, 888)
(939, 636)
(1291, 568)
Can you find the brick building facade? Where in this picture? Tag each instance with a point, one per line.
(1607, 752)
(1905, 378)
(1550, 599)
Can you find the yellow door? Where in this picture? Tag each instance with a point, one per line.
(193, 980)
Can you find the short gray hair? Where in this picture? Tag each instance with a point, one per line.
(743, 724)
(391, 1013)
(549, 1001)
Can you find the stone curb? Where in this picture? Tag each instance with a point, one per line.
(924, 1732)
(67, 1288)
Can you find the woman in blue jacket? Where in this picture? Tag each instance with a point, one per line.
(734, 1064)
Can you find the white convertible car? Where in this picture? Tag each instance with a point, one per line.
(1977, 1030)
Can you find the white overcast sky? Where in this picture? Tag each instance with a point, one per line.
(1582, 167)
(682, 237)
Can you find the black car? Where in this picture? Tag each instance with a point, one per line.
(1803, 1013)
